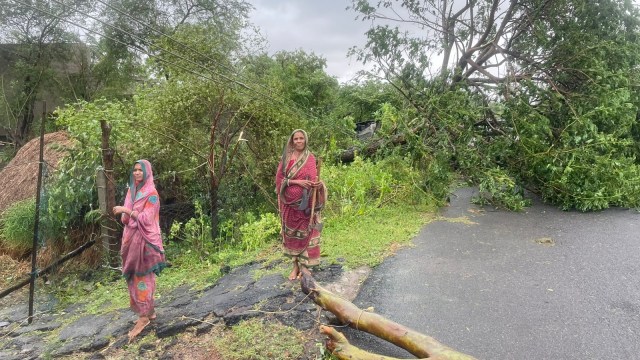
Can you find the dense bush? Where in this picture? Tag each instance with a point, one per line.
(364, 185)
(16, 226)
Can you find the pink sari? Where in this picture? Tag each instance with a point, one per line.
(300, 233)
(141, 250)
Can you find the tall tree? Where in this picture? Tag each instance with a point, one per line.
(135, 31)
(41, 55)
(550, 85)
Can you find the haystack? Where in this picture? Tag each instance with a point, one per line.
(19, 179)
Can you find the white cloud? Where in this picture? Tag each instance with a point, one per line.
(323, 27)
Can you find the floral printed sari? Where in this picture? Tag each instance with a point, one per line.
(142, 251)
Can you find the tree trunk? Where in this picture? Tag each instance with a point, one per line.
(420, 345)
(214, 183)
(109, 222)
(213, 197)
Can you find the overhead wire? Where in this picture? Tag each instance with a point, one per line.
(155, 29)
(190, 48)
(113, 39)
(148, 43)
(293, 108)
(194, 50)
(199, 53)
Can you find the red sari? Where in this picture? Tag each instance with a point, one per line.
(300, 233)
(142, 251)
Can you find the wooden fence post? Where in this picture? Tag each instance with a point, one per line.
(107, 199)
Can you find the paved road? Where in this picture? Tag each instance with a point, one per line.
(492, 288)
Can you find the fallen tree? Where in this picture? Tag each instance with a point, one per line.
(420, 345)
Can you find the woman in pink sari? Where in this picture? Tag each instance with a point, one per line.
(296, 181)
(142, 251)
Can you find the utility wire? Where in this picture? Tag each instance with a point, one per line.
(295, 108)
(196, 51)
(149, 26)
(199, 53)
(116, 40)
(150, 44)
(186, 46)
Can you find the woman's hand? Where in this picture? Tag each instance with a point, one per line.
(304, 183)
(120, 209)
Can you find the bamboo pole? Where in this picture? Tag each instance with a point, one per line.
(36, 225)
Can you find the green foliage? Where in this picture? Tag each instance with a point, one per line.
(196, 232)
(566, 128)
(259, 232)
(499, 189)
(438, 176)
(269, 340)
(577, 143)
(363, 185)
(72, 192)
(16, 232)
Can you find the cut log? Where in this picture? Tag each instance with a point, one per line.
(420, 345)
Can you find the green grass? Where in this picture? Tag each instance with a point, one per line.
(256, 339)
(368, 239)
(351, 238)
(107, 290)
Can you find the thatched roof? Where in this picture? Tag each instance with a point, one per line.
(19, 179)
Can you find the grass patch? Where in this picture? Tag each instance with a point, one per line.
(352, 241)
(268, 340)
(106, 290)
(368, 239)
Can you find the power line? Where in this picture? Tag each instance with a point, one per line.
(190, 48)
(113, 39)
(295, 108)
(150, 44)
(149, 26)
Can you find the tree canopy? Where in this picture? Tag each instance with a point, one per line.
(551, 88)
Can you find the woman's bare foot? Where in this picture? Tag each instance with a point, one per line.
(142, 322)
(295, 273)
(304, 270)
(151, 318)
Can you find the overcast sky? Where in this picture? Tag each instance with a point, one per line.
(323, 27)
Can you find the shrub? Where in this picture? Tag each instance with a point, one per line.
(365, 185)
(16, 232)
(260, 232)
(196, 232)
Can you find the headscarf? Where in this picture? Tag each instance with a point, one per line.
(137, 197)
(143, 188)
(289, 149)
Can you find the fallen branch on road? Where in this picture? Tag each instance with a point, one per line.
(420, 345)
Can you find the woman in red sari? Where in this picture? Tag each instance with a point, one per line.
(142, 251)
(296, 181)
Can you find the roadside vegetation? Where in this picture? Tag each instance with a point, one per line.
(535, 95)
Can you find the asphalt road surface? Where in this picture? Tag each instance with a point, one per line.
(541, 284)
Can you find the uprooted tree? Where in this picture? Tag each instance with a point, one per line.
(420, 345)
(517, 94)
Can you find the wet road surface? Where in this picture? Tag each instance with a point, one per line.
(541, 284)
